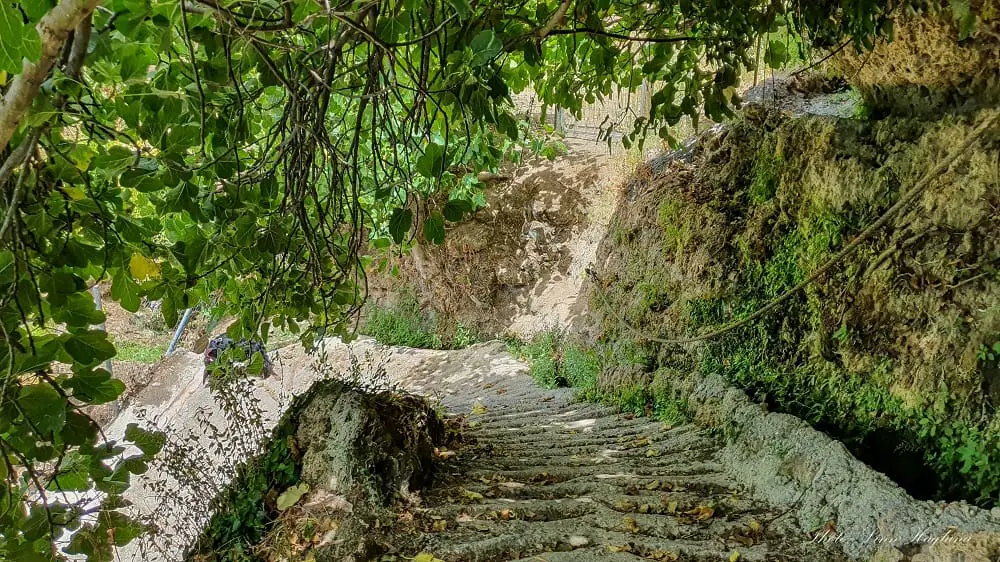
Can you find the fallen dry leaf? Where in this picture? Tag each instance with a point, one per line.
(701, 513)
(444, 454)
(544, 479)
(624, 506)
(469, 496)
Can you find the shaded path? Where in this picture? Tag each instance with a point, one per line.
(549, 479)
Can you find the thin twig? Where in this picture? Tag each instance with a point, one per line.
(829, 55)
(623, 37)
(22, 154)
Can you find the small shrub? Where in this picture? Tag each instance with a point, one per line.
(243, 519)
(633, 399)
(556, 360)
(543, 355)
(989, 355)
(668, 404)
(515, 345)
(580, 366)
(463, 337)
(407, 325)
(553, 148)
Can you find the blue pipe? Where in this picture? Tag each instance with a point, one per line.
(179, 331)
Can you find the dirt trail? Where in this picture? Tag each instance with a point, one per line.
(552, 479)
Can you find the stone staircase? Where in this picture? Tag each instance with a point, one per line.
(545, 478)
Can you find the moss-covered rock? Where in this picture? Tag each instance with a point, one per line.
(327, 485)
(887, 345)
(369, 448)
(944, 56)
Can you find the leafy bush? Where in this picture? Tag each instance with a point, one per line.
(244, 516)
(463, 337)
(989, 354)
(543, 354)
(580, 365)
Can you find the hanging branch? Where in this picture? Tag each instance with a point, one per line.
(19, 157)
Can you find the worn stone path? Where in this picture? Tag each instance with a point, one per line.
(546, 478)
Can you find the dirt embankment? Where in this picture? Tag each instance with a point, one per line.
(517, 264)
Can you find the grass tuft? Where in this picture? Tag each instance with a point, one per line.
(139, 353)
(405, 324)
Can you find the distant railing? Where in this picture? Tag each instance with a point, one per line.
(615, 114)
